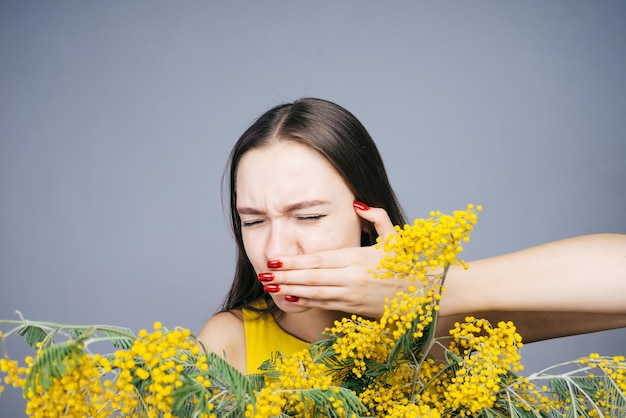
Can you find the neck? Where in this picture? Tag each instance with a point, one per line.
(309, 326)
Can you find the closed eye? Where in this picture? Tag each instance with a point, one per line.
(245, 224)
(309, 218)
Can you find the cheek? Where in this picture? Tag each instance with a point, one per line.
(351, 237)
(253, 251)
(344, 233)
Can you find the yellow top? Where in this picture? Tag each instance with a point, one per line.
(265, 337)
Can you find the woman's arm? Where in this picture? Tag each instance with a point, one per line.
(566, 287)
(586, 274)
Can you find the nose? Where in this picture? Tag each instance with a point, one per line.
(281, 240)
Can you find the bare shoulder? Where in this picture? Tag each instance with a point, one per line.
(224, 334)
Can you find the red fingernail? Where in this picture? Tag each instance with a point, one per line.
(274, 264)
(360, 205)
(289, 298)
(266, 277)
(271, 288)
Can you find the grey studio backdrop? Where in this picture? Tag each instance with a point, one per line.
(116, 119)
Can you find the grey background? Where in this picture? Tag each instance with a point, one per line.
(116, 119)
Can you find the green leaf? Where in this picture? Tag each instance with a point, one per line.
(33, 335)
(235, 390)
(77, 333)
(49, 364)
(317, 402)
(257, 381)
(81, 333)
(120, 337)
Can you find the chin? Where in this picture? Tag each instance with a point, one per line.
(289, 307)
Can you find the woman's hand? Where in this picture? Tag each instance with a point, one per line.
(579, 283)
(340, 280)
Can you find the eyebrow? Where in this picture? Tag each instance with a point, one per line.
(289, 208)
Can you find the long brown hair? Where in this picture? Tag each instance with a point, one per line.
(337, 135)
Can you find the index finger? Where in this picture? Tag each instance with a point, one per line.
(322, 259)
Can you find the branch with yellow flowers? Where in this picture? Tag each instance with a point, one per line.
(364, 367)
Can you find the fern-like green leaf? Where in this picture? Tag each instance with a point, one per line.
(50, 363)
(615, 398)
(236, 385)
(317, 402)
(77, 333)
(120, 337)
(33, 335)
(257, 381)
(82, 333)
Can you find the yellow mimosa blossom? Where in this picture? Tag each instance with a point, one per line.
(393, 366)
(15, 374)
(429, 245)
(287, 391)
(488, 356)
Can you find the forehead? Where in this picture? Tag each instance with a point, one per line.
(285, 170)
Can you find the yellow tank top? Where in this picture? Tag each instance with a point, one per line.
(265, 337)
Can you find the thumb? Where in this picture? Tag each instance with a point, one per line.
(376, 216)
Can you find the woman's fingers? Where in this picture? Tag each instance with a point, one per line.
(318, 260)
(363, 300)
(327, 271)
(361, 257)
(380, 219)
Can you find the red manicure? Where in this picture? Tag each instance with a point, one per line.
(266, 277)
(271, 288)
(290, 298)
(360, 205)
(274, 264)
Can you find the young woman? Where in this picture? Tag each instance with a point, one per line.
(308, 197)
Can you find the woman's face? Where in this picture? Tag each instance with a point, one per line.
(292, 201)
